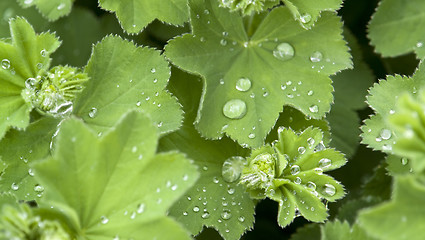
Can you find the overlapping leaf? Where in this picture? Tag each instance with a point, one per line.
(308, 11)
(23, 58)
(123, 77)
(394, 29)
(212, 202)
(280, 64)
(134, 15)
(401, 218)
(115, 186)
(50, 9)
(342, 230)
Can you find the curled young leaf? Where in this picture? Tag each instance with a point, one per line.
(247, 7)
(291, 173)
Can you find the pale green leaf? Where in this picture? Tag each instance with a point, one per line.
(308, 11)
(116, 184)
(50, 9)
(8, 199)
(134, 15)
(398, 165)
(308, 231)
(212, 202)
(395, 28)
(21, 59)
(222, 52)
(337, 230)
(401, 218)
(125, 77)
(20, 148)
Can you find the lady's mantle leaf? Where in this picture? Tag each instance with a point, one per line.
(213, 201)
(116, 184)
(124, 77)
(342, 230)
(18, 149)
(248, 7)
(382, 98)
(291, 173)
(308, 11)
(401, 218)
(23, 58)
(134, 15)
(249, 78)
(395, 28)
(50, 9)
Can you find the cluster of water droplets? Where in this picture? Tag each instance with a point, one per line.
(385, 136)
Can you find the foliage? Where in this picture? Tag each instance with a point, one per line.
(146, 119)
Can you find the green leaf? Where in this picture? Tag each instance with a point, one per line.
(20, 148)
(382, 98)
(212, 202)
(402, 217)
(394, 29)
(50, 9)
(22, 59)
(8, 199)
(398, 165)
(229, 59)
(341, 230)
(308, 231)
(119, 83)
(308, 11)
(134, 15)
(248, 7)
(104, 180)
(350, 89)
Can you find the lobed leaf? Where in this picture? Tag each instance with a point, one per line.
(50, 9)
(342, 230)
(272, 67)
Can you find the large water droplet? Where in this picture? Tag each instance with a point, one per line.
(234, 109)
(295, 170)
(329, 190)
(314, 108)
(305, 18)
(311, 185)
(284, 51)
(14, 186)
(325, 163)
(385, 134)
(196, 209)
(316, 56)
(5, 64)
(232, 168)
(243, 84)
(225, 215)
(93, 112)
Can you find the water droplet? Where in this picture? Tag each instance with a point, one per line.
(311, 141)
(318, 171)
(93, 112)
(196, 209)
(251, 135)
(310, 93)
(284, 51)
(140, 208)
(205, 215)
(61, 6)
(31, 172)
(404, 161)
(314, 108)
(305, 18)
(243, 84)
(232, 168)
(297, 180)
(311, 185)
(223, 42)
(153, 70)
(215, 180)
(385, 134)
(325, 163)
(38, 188)
(5, 64)
(295, 170)
(419, 44)
(221, 81)
(234, 109)
(14, 186)
(241, 219)
(104, 220)
(28, 2)
(43, 53)
(226, 215)
(301, 150)
(202, 39)
(316, 56)
(329, 190)
(174, 187)
(230, 190)
(185, 213)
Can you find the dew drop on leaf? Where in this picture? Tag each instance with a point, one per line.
(93, 112)
(43, 53)
(31, 172)
(284, 51)
(404, 161)
(314, 108)
(61, 6)
(310, 93)
(241, 219)
(205, 215)
(226, 215)
(329, 190)
(243, 84)
(14, 186)
(251, 135)
(230, 190)
(297, 180)
(232, 168)
(140, 208)
(223, 42)
(385, 134)
(311, 185)
(295, 170)
(234, 109)
(325, 163)
(5, 64)
(316, 57)
(104, 220)
(185, 213)
(305, 18)
(301, 150)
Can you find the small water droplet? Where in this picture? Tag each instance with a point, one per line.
(230, 190)
(284, 51)
(316, 57)
(31, 172)
(38, 188)
(301, 150)
(43, 53)
(310, 93)
(311, 185)
(226, 215)
(234, 109)
(185, 213)
(61, 6)
(404, 161)
(297, 180)
(5, 64)
(385, 134)
(202, 39)
(295, 169)
(196, 209)
(153, 70)
(104, 220)
(329, 190)
(205, 215)
(223, 42)
(419, 44)
(232, 168)
(314, 108)
(141, 208)
(14, 186)
(325, 163)
(305, 18)
(241, 219)
(318, 171)
(251, 135)
(93, 112)
(243, 84)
